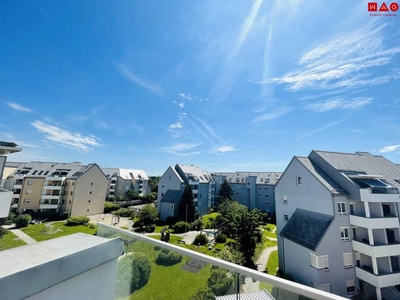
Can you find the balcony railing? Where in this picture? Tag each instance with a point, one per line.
(6, 185)
(375, 223)
(175, 272)
(367, 196)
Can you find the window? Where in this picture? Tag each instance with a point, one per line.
(266, 202)
(91, 183)
(71, 193)
(259, 195)
(90, 192)
(266, 188)
(285, 218)
(69, 202)
(162, 194)
(351, 289)
(266, 181)
(88, 201)
(87, 210)
(284, 199)
(172, 206)
(30, 182)
(266, 196)
(259, 188)
(348, 260)
(73, 183)
(40, 173)
(341, 208)
(298, 180)
(28, 191)
(319, 262)
(27, 201)
(344, 233)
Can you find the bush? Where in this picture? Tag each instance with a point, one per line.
(124, 212)
(196, 225)
(133, 273)
(200, 239)
(150, 228)
(219, 282)
(204, 293)
(181, 227)
(2, 232)
(74, 221)
(109, 207)
(22, 221)
(10, 219)
(220, 238)
(50, 216)
(168, 258)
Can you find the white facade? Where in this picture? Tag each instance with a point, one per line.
(359, 192)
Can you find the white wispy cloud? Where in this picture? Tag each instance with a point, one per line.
(224, 149)
(308, 134)
(176, 125)
(338, 103)
(66, 138)
(186, 96)
(275, 113)
(389, 148)
(180, 149)
(201, 132)
(210, 130)
(181, 105)
(344, 60)
(139, 81)
(18, 107)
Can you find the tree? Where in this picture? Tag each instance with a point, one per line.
(131, 194)
(229, 213)
(186, 209)
(22, 221)
(148, 215)
(204, 293)
(220, 281)
(153, 183)
(225, 193)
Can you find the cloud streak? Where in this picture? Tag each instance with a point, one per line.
(66, 138)
(275, 113)
(224, 149)
(179, 149)
(389, 148)
(308, 134)
(18, 107)
(141, 82)
(338, 103)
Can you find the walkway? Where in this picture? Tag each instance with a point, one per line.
(23, 236)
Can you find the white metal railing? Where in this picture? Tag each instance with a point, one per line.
(255, 275)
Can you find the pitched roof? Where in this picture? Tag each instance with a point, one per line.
(240, 177)
(363, 162)
(328, 182)
(172, 196)
(306, 228)
(195, 173)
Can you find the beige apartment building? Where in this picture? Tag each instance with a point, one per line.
(57, 187)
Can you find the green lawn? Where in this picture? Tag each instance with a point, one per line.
(167, 282)
(269, 230)
(207, 219)
(57, 229)
(272, 267)
(10, 240)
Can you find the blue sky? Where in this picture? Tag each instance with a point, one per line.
(225, 85)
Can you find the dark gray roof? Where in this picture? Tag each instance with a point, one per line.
(306, 228)
(172, 196)
(328, 182)
(363, 162)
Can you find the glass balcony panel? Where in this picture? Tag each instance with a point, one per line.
(153, 269)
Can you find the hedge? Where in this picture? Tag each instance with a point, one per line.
(181, 227)
(74, 221)
(22, 221)
(168, 258)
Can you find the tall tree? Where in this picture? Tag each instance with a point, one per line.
(131, 194)
(225, 193)
(153, 183)
(187, 209)
(148, 215)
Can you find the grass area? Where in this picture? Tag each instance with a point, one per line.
(57, 229)
(272, 267)
(266, 243)
(171, 282)
(207, 219)
(269, 230)
(159, 228)
(10, 240)
(124, 227)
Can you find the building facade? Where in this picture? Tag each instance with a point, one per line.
(172, 184)
(338, 223)
(122, 180)
(252, 189)
(58, 187)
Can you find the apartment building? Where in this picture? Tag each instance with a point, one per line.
(58, 187)
(172, 184)
(252, 189)
(338, 223)
(121, 180)
(5, 186)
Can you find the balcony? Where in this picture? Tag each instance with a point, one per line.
(49, 197)
(367, 195)
(376, 251)
(195, 192)
(5, 202)
(190, 271)
(48, 206)
(380, 281)
(375, 223)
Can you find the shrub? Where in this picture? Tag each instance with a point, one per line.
(168, 258)
(2, 232)
(50, 216)
(181, 227)
(10, 219)
(133, 273)
(22, 221)
(109, 207)
(74, 221)
(220, 238)
(219, 282)
(124, 212)
(196, 225)
(204, 293)
(150, 228)
(200, 239)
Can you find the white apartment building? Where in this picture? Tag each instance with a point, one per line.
(57, 187)
(172, 184)
(338, 223)
(121, 180)
(252, 189)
